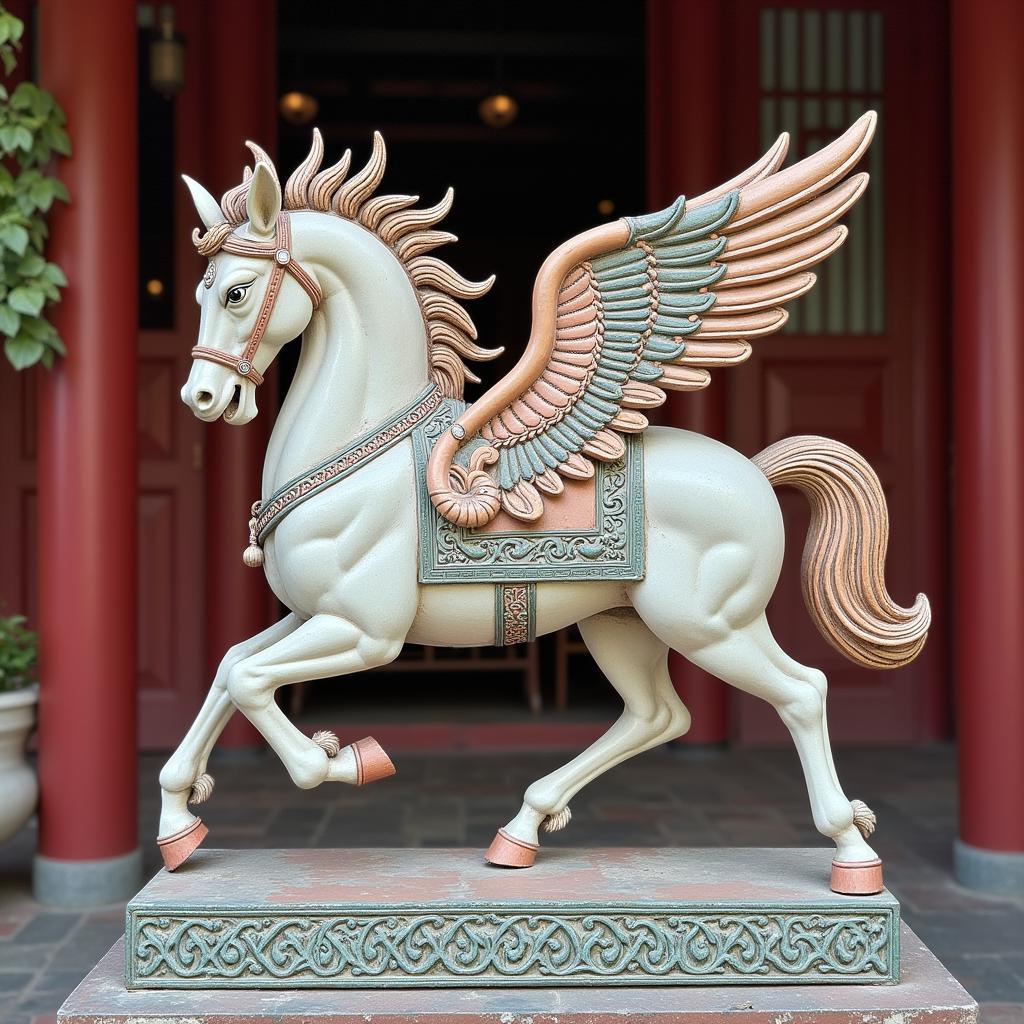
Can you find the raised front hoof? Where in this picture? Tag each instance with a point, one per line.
(506, 851)
(177, 848)
(863, 879)
(372, 763)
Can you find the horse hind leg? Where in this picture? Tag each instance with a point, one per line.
(751, 659)
(635, 661)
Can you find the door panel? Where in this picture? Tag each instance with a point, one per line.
(858, 361)
(171, 612)
(18, 513)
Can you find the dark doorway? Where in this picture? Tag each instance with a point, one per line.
(573, 157)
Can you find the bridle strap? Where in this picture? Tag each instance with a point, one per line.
(215, 355)
(280, 252)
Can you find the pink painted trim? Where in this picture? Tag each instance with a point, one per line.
(372, 762)
(177, 848)
(862, 879)
(506, 851)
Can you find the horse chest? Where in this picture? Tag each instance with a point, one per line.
(349, 542)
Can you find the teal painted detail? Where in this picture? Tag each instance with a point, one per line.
(670, 249)
(612, 550)
(676, 224)
(418, 945)
(650, 226)
(646, 371)
(515, 613)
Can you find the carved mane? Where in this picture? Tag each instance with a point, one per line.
(409, 233)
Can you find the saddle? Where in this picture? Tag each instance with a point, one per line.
(593, 530)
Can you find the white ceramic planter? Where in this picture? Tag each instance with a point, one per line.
(19, 789)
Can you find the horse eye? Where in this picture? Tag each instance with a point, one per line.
(236, 294)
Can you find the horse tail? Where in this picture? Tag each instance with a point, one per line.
(843, 569)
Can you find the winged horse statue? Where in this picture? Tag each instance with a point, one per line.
(621, 314)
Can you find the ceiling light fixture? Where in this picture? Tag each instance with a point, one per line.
(498, 110)
(298, 107)
(167, 56)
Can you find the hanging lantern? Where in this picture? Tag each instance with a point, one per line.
(167, 56)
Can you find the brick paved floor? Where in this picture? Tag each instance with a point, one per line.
(742, 797)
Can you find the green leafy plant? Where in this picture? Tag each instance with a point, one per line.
(19, 652)
(31, 132)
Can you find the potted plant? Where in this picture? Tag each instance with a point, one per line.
(31, 134)
(19, 692)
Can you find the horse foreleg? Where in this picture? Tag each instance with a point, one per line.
(183, 779)
(635, 662)
(323, 646)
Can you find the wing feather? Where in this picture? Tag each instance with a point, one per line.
(630, 310)
(803, 222)
(761, 296)
(715, 353)
(782, 262)
(743, 325)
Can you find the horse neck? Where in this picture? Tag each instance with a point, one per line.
(363, 356)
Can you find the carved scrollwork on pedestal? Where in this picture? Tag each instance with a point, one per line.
(503, 947)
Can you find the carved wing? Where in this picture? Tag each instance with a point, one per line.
(644, 304)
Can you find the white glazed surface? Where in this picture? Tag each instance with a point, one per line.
(345, 560)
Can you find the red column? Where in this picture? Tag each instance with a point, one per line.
(240, 80)
(988, 392)
(88, 842)
(683, 131)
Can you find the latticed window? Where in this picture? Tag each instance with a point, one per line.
(820, 70)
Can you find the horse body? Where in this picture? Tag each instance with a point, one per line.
(345, 560)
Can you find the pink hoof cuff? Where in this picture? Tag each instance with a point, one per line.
(863, 879)
(508, 852)
(177, 848)
(371, 761)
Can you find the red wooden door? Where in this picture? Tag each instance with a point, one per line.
(18, 514)
(862, 359)
(172, 668)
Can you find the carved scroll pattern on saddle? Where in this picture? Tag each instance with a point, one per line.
(628, 310)
(592, 530)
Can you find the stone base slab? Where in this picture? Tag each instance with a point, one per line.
(86, 883)
(287, 919)
(988, 870)
(926, 994)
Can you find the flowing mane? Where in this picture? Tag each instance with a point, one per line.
(409, 233)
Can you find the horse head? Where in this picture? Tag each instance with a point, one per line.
(277, 256)
(254, 297)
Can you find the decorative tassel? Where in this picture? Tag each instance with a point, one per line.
(253, 554)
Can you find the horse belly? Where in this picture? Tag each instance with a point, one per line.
(463, 614)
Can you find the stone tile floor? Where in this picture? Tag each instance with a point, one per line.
(748, 797)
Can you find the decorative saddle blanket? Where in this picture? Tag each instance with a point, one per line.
(594, 530)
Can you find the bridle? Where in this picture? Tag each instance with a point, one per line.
(280, 252)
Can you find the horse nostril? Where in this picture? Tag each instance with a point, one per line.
(203, 399)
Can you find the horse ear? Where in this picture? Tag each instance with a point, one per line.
(264, 200)
(207, 207)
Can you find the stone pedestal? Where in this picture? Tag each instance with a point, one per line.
(288, 919)
(926, 994)
(436, 937)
